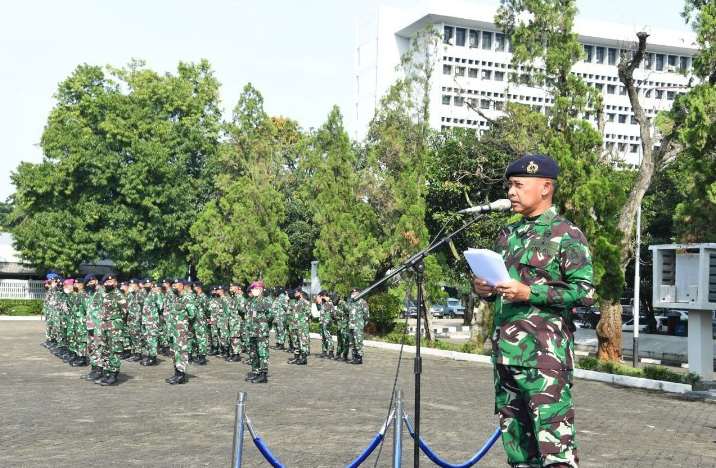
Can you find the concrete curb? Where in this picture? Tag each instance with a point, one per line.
(20, 317)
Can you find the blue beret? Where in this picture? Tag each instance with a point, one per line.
(134, 281)
(148, 279)
(199, 283)
(167, 280)
(177, 280)
(533, 165)
(109, 276)
(52, 276)
(89, 278)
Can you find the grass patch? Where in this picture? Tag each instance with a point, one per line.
(648, 372)
(399, 336)
(21, 307)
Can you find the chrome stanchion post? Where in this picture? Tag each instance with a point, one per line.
(398, 430)
(239, 430)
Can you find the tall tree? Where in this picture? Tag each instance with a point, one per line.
(237, 236)
(346, 249)
(123, 173)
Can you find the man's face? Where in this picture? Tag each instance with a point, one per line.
(110, 282)
(527, 194)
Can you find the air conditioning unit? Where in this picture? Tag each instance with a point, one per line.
(670, 68)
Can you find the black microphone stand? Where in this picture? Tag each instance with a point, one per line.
(416, 263)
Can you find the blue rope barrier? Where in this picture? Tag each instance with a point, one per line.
(266, 452)
(440, 462)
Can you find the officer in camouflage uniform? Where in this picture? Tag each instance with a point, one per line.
(214, 305)
(93, 324)
(223, 322)
(357, 317)
(114, 316)
(135, 304)
(340, 318)
(201, 332)
(550, 270)
(258, 310)
(279, 310)
(181, 309)
(237, 326)
(151, 308)
(163, 328)
(325, 321)
(301, 316)
(79, 314)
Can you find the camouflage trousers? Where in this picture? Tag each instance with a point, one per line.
(222, 327)
(179, 347)
(80, 340)
(199, 338)
(536, 416)
(355, 341)
(94, 346)
(163, 335)
(150, 331)
(303, 339)
(341, 341)
(292, 330)
(259, 353)
(134, 330)
(280, 329)
(112, 344)
(327, 337)
(235, 328)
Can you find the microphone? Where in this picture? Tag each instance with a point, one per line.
(498, 205)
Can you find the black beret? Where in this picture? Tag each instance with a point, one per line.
(334, 297)
(80, 280)
(199, 283)
(533, 165)
(323, 292)
(148, 279)
(279, 290)
(355, 289)
(108, 276)
(124, 283)
(177, 280)
(167, 280)
(89, 278)
(134, 281)
(235, 284)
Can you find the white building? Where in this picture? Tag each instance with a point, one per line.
(474, 63)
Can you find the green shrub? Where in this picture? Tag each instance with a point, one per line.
(384, 309)
(21, 307)
(648, 372)
(587, 363)
(667, 375)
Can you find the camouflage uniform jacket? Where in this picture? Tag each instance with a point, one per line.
(115, 306)
(357, 314)
(279, 307)
(257, 310)
(551, 255)
(326, 311)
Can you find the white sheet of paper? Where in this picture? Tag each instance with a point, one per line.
(487, 265)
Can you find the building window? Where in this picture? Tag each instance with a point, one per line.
(446, 99)
(633, 120)
(459, 71)
(600, 54)
(611, 89)
(612, 56)
(448, 32)
(647, 93)
(659, 94)
(622, 91)
(499, 76)
(622, 117)
(672, 61)
(473, 38)
(460, 37)
(458, 101)
(588, 52)
(659, 62)
(633, 148)
(648, 60)
(486, 40)
(611, 117)
(486, 74)
(472, 73)
(599, 86)
(484, 103)
(683, 63)
(447, 69)
(499, 42)
(670, 95)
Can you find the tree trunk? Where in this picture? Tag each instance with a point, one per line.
(480, 316)
(427, 319)
(609, 332)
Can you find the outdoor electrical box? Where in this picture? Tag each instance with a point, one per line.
(685, 278)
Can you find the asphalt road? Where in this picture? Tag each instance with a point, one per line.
(320, 415)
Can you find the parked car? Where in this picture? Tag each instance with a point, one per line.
(661, 324)
(409, 309)
(436, 310)
(682, 314)
(453, 308)
(629, 325)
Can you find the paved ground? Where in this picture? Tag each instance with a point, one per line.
(320, 415)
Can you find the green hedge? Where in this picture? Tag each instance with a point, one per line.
(18, 307)
(648, 372)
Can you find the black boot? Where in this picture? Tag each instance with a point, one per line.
(211, 352)
(180, 378)
(150, 361)
(250, 376)
(261, 378)
(330, 355)
(356, 360)
(234, 358)
(345, 358)
(111, 379)
(302, 361)
(80, 361)
(201, 360)
(323, 355)
(290, 350)
(169, 379)
(102, 377)
(135, 357)
(93, 374)
(296, 358)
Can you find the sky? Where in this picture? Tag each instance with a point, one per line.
(298, 53)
